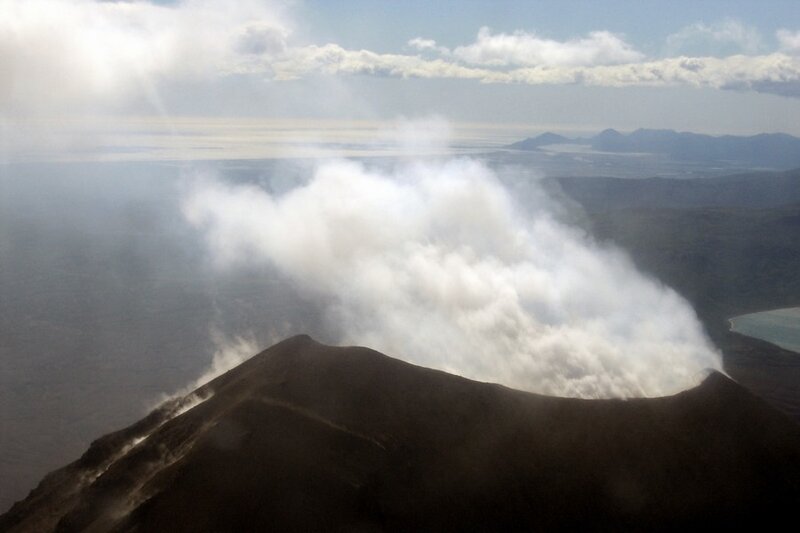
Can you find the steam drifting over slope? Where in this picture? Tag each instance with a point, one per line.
(433, 262)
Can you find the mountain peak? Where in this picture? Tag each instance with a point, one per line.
(544, 139)
(305, 436)
(609, 132)
(550, 137)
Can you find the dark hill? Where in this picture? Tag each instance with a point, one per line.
(544, 139)
(310, 437)
(772, 150)
(610, 140)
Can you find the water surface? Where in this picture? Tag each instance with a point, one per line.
(779, 326)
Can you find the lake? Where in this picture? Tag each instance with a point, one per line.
(779, 326)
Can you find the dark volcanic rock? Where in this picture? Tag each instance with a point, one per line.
(310, 437)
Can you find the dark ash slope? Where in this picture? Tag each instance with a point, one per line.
(310, 437)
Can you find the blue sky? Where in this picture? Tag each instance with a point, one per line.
(388, 25)
(716, 67)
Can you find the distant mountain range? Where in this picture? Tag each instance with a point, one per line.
(774, 150)
(307, 437)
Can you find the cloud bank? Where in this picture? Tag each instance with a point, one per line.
(433, 263)
(527, 49)
(59, 54)
(734, 72)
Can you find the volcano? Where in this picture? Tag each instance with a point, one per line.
(308, 437)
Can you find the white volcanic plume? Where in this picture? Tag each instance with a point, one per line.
(434, 263)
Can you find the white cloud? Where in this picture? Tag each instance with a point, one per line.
(724, 37)
(527, 49)
(789, 41)
(58, 53)
(772, 72)
(427, 45)
(433, 263)
(732, 72)
(332, 59)
(422, 44)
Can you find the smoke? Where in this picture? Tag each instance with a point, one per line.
(229, 353)
(434, 263)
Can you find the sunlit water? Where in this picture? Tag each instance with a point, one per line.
(779, 326)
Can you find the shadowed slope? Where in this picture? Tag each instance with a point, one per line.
(308, 437)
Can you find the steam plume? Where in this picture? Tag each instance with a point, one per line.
(434, 263)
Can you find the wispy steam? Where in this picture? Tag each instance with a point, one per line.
(229, 352)
(433, 262)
